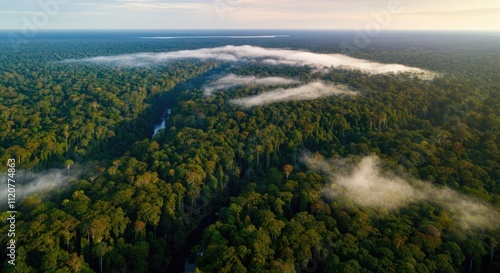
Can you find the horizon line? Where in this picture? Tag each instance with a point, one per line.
(253, 29)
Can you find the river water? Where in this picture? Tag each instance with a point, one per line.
(161, 125)
(180, 262)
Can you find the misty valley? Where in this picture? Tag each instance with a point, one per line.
(252, 151)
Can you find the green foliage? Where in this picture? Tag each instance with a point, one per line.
(139, 198)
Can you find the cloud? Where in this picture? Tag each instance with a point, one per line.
(17, 12)
(28, 183)
(308, 91)
(146, 5)
(233, 80)
(247, 53)
(367, 186)
(479, 12)
(217, 37)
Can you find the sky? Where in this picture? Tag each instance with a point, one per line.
(252, 14)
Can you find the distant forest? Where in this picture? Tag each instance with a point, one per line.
(265, 180)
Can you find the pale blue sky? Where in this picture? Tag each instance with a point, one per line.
(252, 14)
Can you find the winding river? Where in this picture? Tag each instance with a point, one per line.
(181, 261)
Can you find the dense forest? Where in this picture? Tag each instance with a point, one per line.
(128, 201)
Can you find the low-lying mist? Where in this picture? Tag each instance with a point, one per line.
(247, 53)
(28, 183)
(368, 186)
(308, 91)
(232, 80)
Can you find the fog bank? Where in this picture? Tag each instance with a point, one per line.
(28, 183)
(247, 53)
(233, 80)
(308, 91)
(367, 186)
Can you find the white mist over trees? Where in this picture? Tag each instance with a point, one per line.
(247, 53)
(308, 91)
(28, 183)
(368, 186)
(232, 80)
